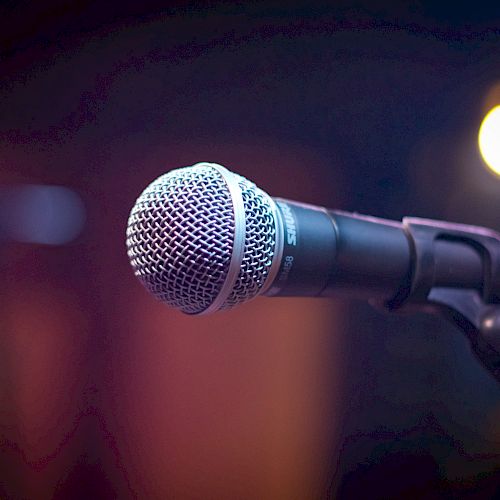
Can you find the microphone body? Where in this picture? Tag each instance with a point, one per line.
(326, 252)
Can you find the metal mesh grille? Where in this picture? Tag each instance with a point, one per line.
(180, 237)
(260, 239)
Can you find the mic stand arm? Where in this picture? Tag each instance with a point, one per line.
(475, 312)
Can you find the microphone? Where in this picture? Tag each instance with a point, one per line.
(204, 239)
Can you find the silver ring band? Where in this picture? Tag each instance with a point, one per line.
(238, 241)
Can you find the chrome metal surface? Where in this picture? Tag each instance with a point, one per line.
(202, 238)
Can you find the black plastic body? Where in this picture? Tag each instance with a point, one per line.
(328, 252)
(439, 267)
(309, 251)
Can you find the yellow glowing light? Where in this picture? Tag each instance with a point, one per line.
(489, 139)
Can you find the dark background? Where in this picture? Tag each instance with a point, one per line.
(371, 107)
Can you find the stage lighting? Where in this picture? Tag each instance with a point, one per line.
(489, 140)
(42, 214)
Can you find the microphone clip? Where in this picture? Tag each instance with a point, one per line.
(475, 310)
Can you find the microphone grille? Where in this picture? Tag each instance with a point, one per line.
(184, 231)
(180, 237)
(260, 242)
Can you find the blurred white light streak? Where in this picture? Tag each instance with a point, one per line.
(489, 140)
(49, 215)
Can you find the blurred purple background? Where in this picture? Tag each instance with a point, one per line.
(370, 107)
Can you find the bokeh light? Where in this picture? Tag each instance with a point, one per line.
(489, 139)
(43, 214)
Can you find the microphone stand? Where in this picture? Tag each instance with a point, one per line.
(475, 312)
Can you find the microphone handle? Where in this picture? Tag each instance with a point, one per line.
(327, 252)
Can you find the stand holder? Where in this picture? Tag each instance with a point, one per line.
(475, 311)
